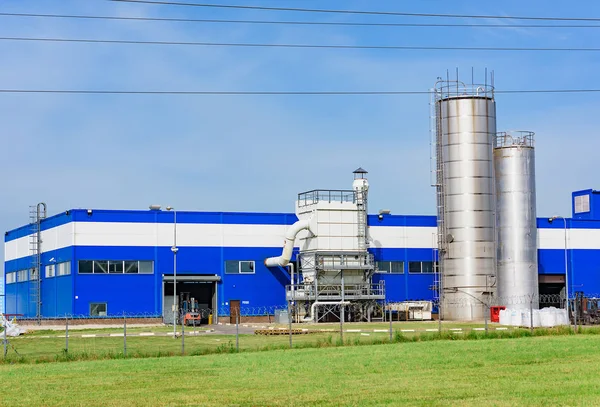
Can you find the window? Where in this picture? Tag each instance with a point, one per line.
(86, 267)
(22, 275)
(246, 267)
(146, 267)
(423, 267)
(11, 278)
(394, 267)
(98, 309)
(49, 271)
(114, 267)
(100, 267)
(239, 267)
(131, 267)
(64, 269)
(33, 274)
(427, 267)
(582, 203)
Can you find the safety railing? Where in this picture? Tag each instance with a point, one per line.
(323, 195)
(514, 139)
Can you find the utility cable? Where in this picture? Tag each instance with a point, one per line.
(275, 93)
(387, 13)
(313, 46)
(286, 22)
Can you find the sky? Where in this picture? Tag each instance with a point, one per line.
(255, 153)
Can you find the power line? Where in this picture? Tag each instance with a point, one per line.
(287, 22)
(273, 93)
(313, 46)
(387, 13)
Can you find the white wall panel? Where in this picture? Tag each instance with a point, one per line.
(52, 239)
(215, 235)
(401, 237)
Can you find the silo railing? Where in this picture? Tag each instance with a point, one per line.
(514, 139)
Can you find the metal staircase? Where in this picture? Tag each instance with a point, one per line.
(36, 214)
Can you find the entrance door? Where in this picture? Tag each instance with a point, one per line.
(234, 310)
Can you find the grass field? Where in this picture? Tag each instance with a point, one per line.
(37, 347)
(538, 371)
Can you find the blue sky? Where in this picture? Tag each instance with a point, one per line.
(255, 153)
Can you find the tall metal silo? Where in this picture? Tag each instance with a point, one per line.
(465, 131)
(514, 163)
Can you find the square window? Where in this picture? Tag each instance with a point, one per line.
(383, 266)
(86, 267)
(414, 267)
(427, 267)
(33, 274)
(100, 267)
(11, 278)
(397, 267)
(22, 275)
(232, 267)
(98, 309)
(246, 267)
(131, 267)
(146, 267)
(64, 269)
(115, 267)
(49, 271)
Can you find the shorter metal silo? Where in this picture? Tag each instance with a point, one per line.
(517, 270)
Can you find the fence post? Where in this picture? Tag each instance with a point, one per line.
(531, 314)
(124, 335)
(486, 311)
(290, 324)
(183, 337)
(391, 337)
(342, 324)
(66, 334)
(237, 331)
(440, 316)
(575, 313)
(5, 341)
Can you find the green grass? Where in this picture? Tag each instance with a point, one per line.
(34, 349)
(538, 371)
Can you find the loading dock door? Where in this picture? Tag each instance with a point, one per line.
(203, 288)
(551, 286)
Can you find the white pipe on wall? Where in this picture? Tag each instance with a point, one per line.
(288, 246)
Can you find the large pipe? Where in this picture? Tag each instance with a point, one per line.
(288, 246)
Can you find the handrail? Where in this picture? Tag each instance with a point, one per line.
(515, 138)
(326, 195)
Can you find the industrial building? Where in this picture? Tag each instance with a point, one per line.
(109, 262)
(329, 257)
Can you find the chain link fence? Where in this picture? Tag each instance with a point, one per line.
(256, 328)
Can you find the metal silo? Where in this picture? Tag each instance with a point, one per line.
(465, 130)
(514, 163)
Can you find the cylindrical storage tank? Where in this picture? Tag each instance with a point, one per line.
(466, 127)
(517, 267)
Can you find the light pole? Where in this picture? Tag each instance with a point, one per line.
(566, 265)
(174, 249)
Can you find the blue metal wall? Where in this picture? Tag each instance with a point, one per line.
(594, 212)
(142, 294)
